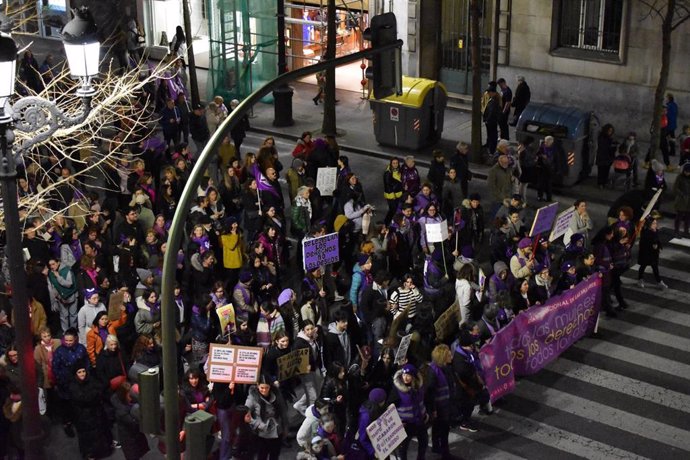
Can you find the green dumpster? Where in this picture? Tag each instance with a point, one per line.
(414, 119)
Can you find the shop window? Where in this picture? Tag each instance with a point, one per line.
(589, 29)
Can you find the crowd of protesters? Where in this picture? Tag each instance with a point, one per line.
(243, 247)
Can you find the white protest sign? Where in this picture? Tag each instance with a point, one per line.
(326, 180)
(401, 354)
(482, 284)
(651, 204)
(436, 232)
(562, 223)
(386, 433)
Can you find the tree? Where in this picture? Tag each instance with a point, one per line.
(475, 43)
(673, 13)
(328, 126)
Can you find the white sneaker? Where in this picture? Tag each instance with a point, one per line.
(640, 284)
(662, 285)
(338, 298)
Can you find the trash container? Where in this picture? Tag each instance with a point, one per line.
(414, 119)
(575, 131)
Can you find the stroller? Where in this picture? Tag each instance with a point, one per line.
(623, 171)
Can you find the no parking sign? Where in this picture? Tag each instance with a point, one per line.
(395, 114)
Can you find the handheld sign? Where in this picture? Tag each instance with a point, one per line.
(543, 220)
(436, 232)
(231, 363)
(562, 223)
(294, 363)
(482, 283)
(320, 251)
(651, 204)
(401, 354)
(226, 316)
(117, 299)
(326, 180)
(386, 433)
(446, 324)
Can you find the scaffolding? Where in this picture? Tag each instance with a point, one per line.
(243, 42)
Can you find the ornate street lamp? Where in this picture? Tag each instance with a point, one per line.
(39, 118)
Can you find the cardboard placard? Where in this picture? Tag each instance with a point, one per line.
(401, 354)
(543, 220)
(294, 363)
(436, 232)
(562, 223)
(326, 180)
(232, 363)
(117, 299)
(320, 251)
(446, 324)
(386, 433)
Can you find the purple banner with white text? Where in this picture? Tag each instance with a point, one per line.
(537, 336)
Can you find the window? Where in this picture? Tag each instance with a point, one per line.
(589, 29)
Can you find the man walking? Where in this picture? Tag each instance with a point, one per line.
(506, 100)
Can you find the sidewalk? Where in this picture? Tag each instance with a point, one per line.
(356, 135)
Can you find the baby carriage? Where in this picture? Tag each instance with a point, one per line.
(622, 169)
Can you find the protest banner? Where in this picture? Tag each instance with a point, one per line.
(562, 223)
(294, 363)
(543, 219)
(446, 324)
(436, 232)
(651, 204)
(386, 433)
(117, 299)
(320, 251)
(226, 316)
(401, 354)
(538, 335)
(232, 363)
(326, 180)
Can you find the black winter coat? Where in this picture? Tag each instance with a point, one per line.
(90, 418)
(650, 245)
(134, 442)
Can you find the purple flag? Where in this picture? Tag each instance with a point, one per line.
(538, 335)
(261, 181)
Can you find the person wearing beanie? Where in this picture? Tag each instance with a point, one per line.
(522, 263)
(296, 177)
(568, 278)
(87, 313)
(438, 393)
(369, 412)
(499, 282)
(408, 397)
(468, 370)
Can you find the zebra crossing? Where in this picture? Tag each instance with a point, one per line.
(623, 395)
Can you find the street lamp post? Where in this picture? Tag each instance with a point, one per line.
(39, 118)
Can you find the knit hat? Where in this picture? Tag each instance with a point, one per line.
(339, 222)
(285, 297)
(245, 276)
(475, 196)
(362, 259)
(465, 338)
(524, 243)
(567, 266)
(297, 163)
(409, 369)
(316, 440)
(467, 252)
(377, 395)
(657, 166)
